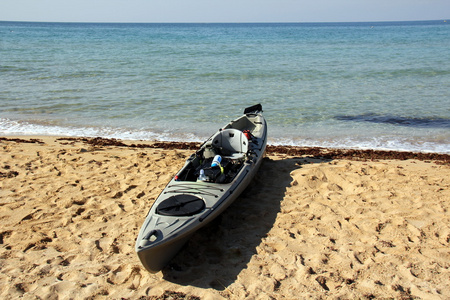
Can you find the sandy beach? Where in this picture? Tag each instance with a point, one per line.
(315, 223)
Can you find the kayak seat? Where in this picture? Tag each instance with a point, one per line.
(231, 143)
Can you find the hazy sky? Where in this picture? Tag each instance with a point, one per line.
(223, 10)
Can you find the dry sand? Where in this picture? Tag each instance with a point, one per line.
(307, 227)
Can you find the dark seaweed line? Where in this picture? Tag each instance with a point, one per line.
(315, 152)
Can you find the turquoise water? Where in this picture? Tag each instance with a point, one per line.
(358, 85)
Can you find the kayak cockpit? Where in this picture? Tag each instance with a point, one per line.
(224, 173)
(235, 143)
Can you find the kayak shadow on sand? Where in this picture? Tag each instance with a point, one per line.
(217, 253)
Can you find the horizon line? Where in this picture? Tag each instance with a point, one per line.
(242, 22)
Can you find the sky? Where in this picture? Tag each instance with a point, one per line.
(210, 11)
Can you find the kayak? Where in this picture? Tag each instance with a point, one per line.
(210, 180)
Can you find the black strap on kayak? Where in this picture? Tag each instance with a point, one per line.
(181, 205)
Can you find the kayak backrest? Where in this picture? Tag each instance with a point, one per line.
(231, 142)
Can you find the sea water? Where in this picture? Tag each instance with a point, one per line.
(347, 85)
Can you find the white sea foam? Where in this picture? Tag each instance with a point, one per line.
(16, 128)
(375, 143)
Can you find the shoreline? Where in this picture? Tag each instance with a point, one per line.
(320, 152)
(310, 225)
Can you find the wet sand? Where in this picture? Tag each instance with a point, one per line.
(315, 223)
